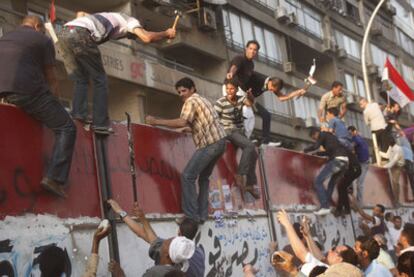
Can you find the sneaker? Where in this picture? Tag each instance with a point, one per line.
(102, 130)
(53, 187)
(322, 211)
(272, 144)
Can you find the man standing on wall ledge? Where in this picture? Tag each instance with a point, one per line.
(333, 99)
(80, 39)
(199, 116)
(28, 80)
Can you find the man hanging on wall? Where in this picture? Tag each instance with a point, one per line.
(241, 70)
(79, 40)
(28, 81)
(199, 116)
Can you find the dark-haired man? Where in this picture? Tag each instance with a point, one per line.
(80, 39)
(338, 254)
(241, 69)
(406, 240)
(28, 80)
(373, 224)
(187, 228)
(368, 251)
(209, 137)
(333, 99)
(334, 168)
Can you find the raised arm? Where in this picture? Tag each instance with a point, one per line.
(298, 247)
(291, 95)
(343, 110)
(148, 37)
(150, 233)
(313, 248)
(173, 123)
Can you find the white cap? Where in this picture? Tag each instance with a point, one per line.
(181, 249)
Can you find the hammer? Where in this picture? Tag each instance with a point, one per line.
(178, 14)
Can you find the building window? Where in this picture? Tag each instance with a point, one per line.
(408, 72)
(351, 46)
(406, 43)
(379, 57)
(271, 4)
(308, 20)
(356, 119)
(239, 30)
(354, 85)
(306, 107)
(403, 14)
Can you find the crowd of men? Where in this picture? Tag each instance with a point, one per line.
(231, 118)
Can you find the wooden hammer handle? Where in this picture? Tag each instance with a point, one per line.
(174, 26)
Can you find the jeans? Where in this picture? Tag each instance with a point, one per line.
(409, 170)
(47, 109)
(360, 181)
(247, 164)
(200, 166)
(353, 172)
(266, 119)
(84, 61)
(333, 170)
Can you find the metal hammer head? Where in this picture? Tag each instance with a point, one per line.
(178, 13)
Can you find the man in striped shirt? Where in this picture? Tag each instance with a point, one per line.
(230, 111)
(79, 42)
(199, 116)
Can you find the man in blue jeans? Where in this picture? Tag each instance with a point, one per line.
(199, 116)
(28, 80)
(361, 148)
(334, 168)
(79, 41)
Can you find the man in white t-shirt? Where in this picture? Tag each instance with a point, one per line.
(79, 42)
(314, 257)
(393, 233)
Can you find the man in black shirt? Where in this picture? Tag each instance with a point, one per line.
(27, 82)
(333, 170)
(241, 70)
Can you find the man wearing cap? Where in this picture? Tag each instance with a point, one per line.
(79, 40)
(187, 228)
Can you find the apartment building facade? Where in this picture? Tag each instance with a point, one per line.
(291, 32)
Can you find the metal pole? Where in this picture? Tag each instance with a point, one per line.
(267, 202)
(365, 73)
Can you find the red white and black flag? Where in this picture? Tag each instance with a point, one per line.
(399, 91)
(52, 11)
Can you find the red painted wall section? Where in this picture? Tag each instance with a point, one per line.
(161, 156)
(24, 148)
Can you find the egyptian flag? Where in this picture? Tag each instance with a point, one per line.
(398, 89)
(52, 12)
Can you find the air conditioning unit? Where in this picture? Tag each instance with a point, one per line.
(207, 20)
(293, 21)
(372, 70)
(281, 14)
(376, 30)
(310, 122)
(341, 53)
(391, 10)
(289, 67)
(329, 45)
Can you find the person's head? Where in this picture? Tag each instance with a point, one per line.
(314, 133)
(353, 131)
(337, 88)
(252, 48)
(185, 88)
(363, 103)
(389, 216)
(179, 250)
(395, 108)
(332, 113)
(175, 273)
(381, 240)
(342, 254)
(397, 222)
(231, 88)
(34, 22)
(406, 238)
(405, 265)
(378, 210)
(317, 270)
(188, 228)
(367, 250)
(275, 84)
(52, 262)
